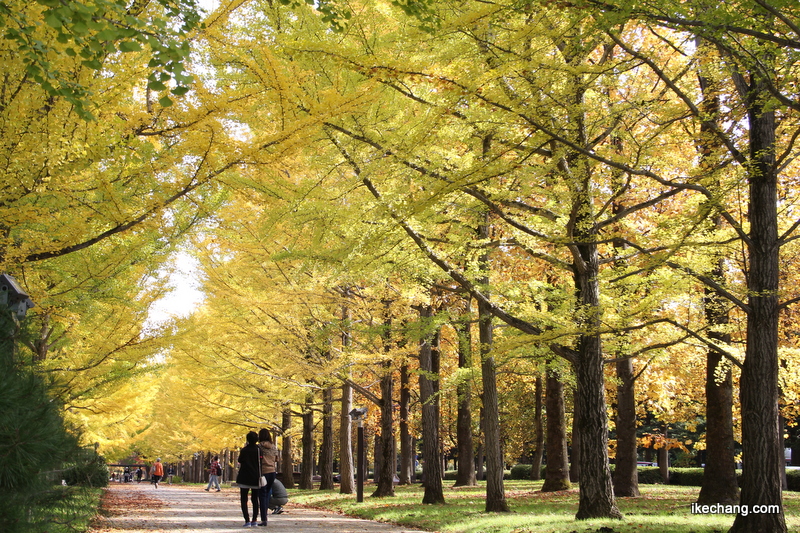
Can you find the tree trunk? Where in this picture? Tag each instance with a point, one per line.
(326, 448)
(626, 474)
(307, 466)
(719, 477)
(346, 474)
(385, 467)
(465, 475)
(557, 469)
(538, 433)
(432, 466)
(596, 491)
(406, 447)
(495, 490)
(761, 439)
(663, 459)
(287, 467)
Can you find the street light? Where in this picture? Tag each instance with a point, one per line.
(358, 415)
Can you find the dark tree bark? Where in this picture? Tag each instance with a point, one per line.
(385, 467)
(663, 458)
(326, 447)
(287, 467)
(406, 443)
(762, 440)
(346, 472)
(465, 475)
(495, 490)
(538, 433)
(307, 466)
(596, 491)
(626, 474)
(557, 469)
(431, 456)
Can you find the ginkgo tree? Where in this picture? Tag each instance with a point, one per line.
(431, 147)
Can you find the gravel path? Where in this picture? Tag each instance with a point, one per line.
(141, 508)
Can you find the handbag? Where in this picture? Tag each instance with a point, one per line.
(262, 480)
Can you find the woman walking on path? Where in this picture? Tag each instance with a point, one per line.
(247, 478)
(269, 461)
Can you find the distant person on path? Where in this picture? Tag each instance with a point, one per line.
(139, 473)
(278, 498)
(214, 471)
(247, 478)
(157, 472)
(269, 463)
(170, 474)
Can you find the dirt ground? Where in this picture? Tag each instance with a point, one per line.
(141, 508)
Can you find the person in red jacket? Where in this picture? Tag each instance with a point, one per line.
(214, 473)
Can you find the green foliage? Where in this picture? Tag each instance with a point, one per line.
(32, 435)
(34, 444)
(92, 30)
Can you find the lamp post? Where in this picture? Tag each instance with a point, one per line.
(358, 415)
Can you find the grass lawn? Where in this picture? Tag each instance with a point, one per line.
(662, 508)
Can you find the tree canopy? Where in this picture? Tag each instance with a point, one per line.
(611, 183)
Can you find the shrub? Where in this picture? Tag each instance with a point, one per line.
(88, 470)
(793, 480)
(687, 477)
(521, 471)
(650, 475)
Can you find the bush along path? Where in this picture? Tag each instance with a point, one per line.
(141, 508)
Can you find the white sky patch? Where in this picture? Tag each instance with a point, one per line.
(185, 295)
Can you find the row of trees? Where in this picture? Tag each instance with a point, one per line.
(594, 191)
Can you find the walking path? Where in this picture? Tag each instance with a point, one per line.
(141, 508)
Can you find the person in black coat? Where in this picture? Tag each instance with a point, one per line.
(247, 478)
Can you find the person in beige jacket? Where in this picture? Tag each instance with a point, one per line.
(269, 467)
